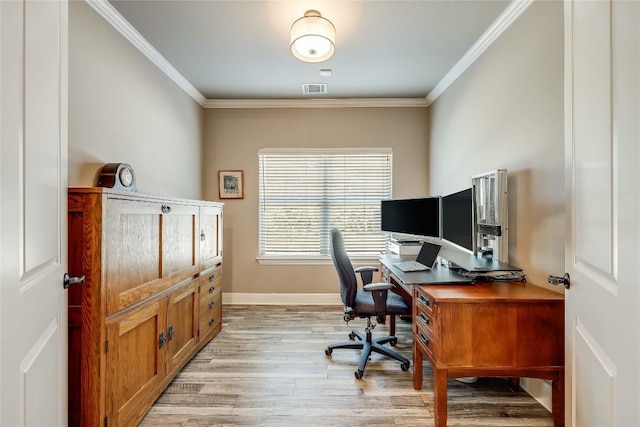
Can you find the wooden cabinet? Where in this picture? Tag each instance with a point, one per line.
(498, 329)
(137, 319)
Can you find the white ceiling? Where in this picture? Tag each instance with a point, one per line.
(240, 49)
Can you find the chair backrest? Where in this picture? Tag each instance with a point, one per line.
(346, 274)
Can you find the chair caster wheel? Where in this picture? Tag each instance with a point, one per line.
(404, 366)
(394, 342)
(328, 351)
(359, 374)
(352, 336)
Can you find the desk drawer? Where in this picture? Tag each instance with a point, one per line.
(424, 341)
(424, 321)
(422, 301)
(423, 327)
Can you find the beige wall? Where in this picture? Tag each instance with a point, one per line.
(233, 138)
(122, 108)
(506, 111)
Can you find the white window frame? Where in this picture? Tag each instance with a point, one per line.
(320, 258)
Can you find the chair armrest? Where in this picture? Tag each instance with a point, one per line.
(378, 286)
(379, 293)
(366, 273)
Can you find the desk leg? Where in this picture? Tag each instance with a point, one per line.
(557, 400)
(417, 368)
(440, 397)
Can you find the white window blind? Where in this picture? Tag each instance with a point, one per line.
(306, 193)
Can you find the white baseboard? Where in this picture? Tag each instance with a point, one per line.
(539, 389)
(281, 299)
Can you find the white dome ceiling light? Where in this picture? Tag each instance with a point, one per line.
(313, 38)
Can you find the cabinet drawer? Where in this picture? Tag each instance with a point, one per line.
(210, 283)
(210, 309)
(209, 301)
(210, 315)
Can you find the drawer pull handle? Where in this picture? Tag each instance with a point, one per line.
(424, 339)
(212, 278)
(424, 300)
(424, 319)
(165, 209)
(211, 322)
(211, 304)
(212, 290)
(203, 236)
(171, 333)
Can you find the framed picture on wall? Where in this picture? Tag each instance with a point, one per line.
(230, 185)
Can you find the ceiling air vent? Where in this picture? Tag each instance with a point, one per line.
(314, 88)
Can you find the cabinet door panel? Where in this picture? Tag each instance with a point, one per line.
(151, 247)
(210, 236)
(182, 326)
(179, 241)
(135, 360)
(132, 252)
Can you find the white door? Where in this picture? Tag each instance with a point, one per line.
(602, 54)
(33, 234)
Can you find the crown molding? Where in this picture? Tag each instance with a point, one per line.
(111, 15)
(316, 103)
(508, 16)
(504, 21)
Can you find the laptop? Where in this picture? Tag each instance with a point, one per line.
(423, 262)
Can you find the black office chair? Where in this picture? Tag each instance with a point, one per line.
(373, 300)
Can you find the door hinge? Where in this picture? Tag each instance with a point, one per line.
(106, 346)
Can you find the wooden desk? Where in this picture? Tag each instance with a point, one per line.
(500, 329)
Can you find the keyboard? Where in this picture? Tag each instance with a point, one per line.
(408, 266)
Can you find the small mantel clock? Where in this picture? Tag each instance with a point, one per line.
(119, 176)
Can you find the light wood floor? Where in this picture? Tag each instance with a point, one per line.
(268, 368)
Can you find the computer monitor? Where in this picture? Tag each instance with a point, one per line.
(413, 217)
(458, 225)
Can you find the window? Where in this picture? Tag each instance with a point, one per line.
(305, 193)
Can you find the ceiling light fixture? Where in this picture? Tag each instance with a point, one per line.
(313, 38)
